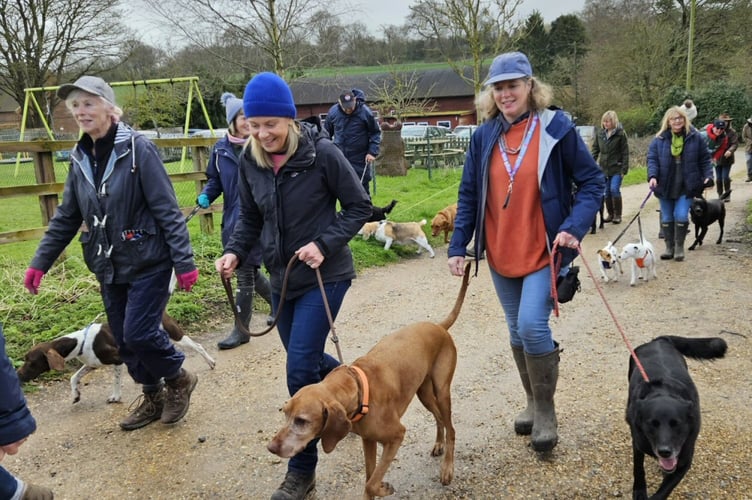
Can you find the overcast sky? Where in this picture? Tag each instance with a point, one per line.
(374, 13)
(383, 12)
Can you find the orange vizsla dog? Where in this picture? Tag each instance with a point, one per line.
(370, 396)
(444, 221)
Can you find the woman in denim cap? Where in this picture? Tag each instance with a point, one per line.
(516, 199)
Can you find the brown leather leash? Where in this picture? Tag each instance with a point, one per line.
(598, 287)
(242, 328)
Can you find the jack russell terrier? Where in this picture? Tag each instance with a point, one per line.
(610, 265)
(643, 260)
(402, 233)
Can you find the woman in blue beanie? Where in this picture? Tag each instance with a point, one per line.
(291, 178)
(16, 424)
(222, 178)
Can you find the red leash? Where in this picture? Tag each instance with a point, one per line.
(555, 267)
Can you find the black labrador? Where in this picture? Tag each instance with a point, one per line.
(705, 212)
(664, 413)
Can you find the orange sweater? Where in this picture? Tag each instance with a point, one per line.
(516, 235)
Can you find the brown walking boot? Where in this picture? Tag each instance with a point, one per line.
(178, 397)
(149, 409)
(34, 492)
(295, 486)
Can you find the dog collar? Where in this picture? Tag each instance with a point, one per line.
(83, 342)
(362, 410)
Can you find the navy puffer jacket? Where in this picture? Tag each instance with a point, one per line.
(695, 163)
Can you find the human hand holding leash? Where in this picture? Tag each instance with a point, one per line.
(564, 239)
(311, 255)
(32, 279)
(226, 265)
(456, 265)
(203, 201)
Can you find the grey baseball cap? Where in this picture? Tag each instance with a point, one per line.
(89, 84)
(509, 66)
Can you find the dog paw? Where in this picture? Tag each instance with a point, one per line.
(447, 473)
(438, 450)
(113, 399)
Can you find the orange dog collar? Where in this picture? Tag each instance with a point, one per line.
(363, 405)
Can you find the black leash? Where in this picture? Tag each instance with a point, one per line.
(636, 216)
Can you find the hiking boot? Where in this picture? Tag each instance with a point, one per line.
(149, 409)
(295, 486)
(178, 397)
(34, 492)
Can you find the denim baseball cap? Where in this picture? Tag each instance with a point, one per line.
(509, 66)
(89, 84)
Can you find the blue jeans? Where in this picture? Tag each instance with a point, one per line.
(722, 174)
(613, 186)
(10, 487)
(748, 156)
(675, 210)
(527, 305)
(303, 328)
(134, 311)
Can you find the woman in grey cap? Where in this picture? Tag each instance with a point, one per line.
(135, 236)
(515, 198)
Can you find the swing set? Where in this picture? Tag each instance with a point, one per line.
(193, 90)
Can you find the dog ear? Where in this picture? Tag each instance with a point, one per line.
(335, 429)
(55, 360)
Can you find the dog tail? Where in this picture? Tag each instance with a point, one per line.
(389, 207)
(698, 348)
(449, 320)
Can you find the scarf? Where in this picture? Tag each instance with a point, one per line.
(677, 144)
(236, 140)
(717, 144)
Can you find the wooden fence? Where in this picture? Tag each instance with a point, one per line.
(48, 189)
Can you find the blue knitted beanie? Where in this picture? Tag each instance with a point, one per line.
(268, 95)
(232, 105)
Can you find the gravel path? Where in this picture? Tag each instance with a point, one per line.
(219, 450)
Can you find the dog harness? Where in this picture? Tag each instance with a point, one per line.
(362, 410)
(641, 260)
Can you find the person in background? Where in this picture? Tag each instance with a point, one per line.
(611, 150)
(135, 237)
(291, 180)
(679, 169)
(747, 138)
(353, 128)
(222, 179)
(515, 197)
(16, 425)
(724, 159)
(689, 109)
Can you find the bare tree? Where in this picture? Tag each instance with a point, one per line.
(282, 30)
(467, 31)
(41, 41)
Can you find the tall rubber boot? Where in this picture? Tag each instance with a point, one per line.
(719, 188)
(523, 423)
(680, 233)
(660, 226)
(244, 303)
(667, 228)
(726, 190)
(543, 371)
(264, 290)
(617, 210)
(609, 209)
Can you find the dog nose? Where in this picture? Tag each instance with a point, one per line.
(665, 452)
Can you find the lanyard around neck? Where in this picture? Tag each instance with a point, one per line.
(512, 171)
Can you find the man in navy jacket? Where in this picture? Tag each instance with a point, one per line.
(355, 131)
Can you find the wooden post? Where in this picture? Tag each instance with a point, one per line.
(44, 171)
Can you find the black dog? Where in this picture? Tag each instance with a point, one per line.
(664, 413)
(380, 213)
(705, 212)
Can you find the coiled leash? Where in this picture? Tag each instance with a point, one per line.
(554, 295)
(242, 328)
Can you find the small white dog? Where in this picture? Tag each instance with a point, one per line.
(610, 265)
(402, 233)
(643, 260)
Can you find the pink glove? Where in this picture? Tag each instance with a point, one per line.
(187, 280)
(32, 279)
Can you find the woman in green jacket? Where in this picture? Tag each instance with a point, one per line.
(611, 150)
